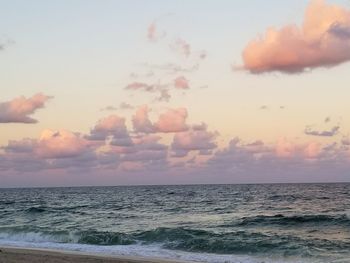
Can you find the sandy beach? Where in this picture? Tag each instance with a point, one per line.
(17, 255)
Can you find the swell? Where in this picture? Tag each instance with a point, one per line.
(36, 209)
(341, 220)
(47, 209)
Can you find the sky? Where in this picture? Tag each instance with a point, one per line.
(174, 92)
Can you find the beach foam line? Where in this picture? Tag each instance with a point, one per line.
(152, 253)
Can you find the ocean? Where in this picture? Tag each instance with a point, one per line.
(205, 223)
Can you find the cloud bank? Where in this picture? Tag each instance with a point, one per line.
(112, 149)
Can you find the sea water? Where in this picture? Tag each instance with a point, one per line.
(205, 223)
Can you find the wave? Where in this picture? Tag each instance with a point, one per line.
(35, 209)
(279, 219)
(190, 240)
(53, 209)
(105, 238)
(153, 251)
(35, 236)
(7, 202)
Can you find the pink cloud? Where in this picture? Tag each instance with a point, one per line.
(112, 125)
(174, 120)
(151, 31)
(149, 142)
(50, 145)
(57, 150)
(194, 140)
(258, 147)
(323, 40)
(141, 122)
(25, 145)
(287, 149)
(181, 83)
(286, 161)
(19, 109)
(60, 144)
(146, 150)
(312, 150)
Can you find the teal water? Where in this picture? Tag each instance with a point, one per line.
(212, 223)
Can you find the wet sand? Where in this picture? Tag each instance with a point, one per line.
(20, 255)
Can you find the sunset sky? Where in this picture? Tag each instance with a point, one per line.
(174, 92)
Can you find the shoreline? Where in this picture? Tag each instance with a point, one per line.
(41, 255)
